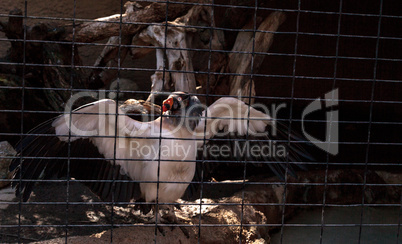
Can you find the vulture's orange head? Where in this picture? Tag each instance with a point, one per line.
(177, 102)
(183, 106)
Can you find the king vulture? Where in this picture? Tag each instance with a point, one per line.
(140, 158)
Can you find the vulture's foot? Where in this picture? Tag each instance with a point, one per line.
(171, 218)
(168, 217)
(158, 220)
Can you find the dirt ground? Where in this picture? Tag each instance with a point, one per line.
(45, 215)
(49, 219)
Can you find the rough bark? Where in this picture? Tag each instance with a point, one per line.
(135, 14)
(179, 39)
(176, 41)
(113, 55)
(241, 63)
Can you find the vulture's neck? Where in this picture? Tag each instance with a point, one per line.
(179, 119)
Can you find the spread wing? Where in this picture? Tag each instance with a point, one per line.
(82, 142)
(229, 146)
(228, 115)
(98, 119)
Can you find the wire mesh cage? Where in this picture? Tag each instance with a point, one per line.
(200, 121)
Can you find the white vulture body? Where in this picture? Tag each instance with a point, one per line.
(158, 152)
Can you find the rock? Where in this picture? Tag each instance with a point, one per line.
(5, 150)
(7, 194)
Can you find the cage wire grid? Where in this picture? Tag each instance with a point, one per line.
(292, 98)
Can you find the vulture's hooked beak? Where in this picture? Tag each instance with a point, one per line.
(167, 104)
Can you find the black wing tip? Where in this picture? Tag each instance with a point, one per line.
(14, 165)
(22, 191)
(29, 168)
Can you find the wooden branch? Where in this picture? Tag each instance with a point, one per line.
(178, 39)
(135, 13)
(137, 52)
(100, 78)
(241, 63)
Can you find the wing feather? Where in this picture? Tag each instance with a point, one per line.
(231, 115)
(90, 130)
(223, 123)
